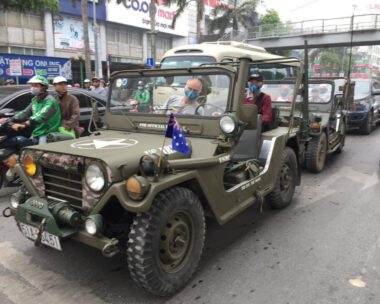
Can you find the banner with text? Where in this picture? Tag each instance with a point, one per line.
(29, 66)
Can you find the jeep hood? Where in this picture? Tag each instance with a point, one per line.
(118, 148)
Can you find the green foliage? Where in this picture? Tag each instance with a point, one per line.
(182, 5)
(233, 15)
(271, 24)
(29, 5)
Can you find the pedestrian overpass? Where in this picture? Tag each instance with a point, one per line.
(319, 33)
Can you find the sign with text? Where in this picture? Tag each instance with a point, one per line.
(28, 66)
(136, 13)
(15, 68)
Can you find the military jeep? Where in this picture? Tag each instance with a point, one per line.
(327, 108)
(126, 186)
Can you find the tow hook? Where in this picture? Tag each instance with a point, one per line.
(7, 212)
(41, 229)
(110, 249)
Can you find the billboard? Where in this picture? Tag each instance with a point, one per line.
(68, 33)
(29, 66)
(136, 13)
(66, 6)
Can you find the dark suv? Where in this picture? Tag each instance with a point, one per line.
(364, 112)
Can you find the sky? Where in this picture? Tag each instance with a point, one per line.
(301, 10)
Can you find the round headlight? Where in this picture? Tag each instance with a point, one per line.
(29, 165)
(90, 226)
(14, 200)
(227, 124)
(95, 177)
(94, 224)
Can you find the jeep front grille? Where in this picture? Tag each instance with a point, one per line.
(63, 185)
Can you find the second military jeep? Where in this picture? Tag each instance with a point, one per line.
(126, 186)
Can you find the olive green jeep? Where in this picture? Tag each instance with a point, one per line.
(126, 187)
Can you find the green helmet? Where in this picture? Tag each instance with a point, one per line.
(41, 80)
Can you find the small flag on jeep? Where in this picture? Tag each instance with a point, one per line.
(174, 131)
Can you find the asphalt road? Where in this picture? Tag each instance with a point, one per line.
(324, 248)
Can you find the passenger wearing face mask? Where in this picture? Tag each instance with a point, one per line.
(42, 114)
(142, 96)
(185, 104)
(261, 100)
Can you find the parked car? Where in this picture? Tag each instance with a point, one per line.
(364, 112)
(16, 98)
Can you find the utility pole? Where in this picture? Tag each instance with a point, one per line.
(87, 55)
(98, 60)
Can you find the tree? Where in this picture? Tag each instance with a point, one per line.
(239, 13)
(182, 4)
(270, 24)
(87, 55)
(29, 5)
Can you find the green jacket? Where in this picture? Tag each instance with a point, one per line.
(44, 115)
(143, 97)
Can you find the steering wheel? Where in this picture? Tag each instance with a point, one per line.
(209, 109)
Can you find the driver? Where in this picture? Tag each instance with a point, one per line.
(261, 100)
(42, 114)
(185, 104)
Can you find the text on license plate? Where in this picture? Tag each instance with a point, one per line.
(47, 238)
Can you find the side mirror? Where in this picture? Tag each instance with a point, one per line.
(6, 112)
(248, 114)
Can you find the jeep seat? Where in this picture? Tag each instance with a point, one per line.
(248, 146)
(275, 119)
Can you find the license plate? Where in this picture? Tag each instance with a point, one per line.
(47, 238)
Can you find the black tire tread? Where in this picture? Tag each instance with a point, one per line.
(141, 237)
(274, 199)
(312, 154)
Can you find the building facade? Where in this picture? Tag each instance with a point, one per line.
(58, 37)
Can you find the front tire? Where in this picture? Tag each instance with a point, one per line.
(282, 194)
(316, 153)
(166, 243)
(367, 127)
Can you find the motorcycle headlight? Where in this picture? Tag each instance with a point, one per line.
(95, 178)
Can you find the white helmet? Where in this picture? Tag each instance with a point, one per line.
(59, 79)
(87, 81)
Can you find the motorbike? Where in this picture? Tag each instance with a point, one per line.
(10, 144)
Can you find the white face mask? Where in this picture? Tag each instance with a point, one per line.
(34, 91)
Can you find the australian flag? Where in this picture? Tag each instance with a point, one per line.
(174, 131)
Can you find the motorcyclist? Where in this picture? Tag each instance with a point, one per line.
(42, 114)
(142, 96)
(69, 106)
(87, 84)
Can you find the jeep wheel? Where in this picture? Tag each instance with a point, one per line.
(316, 153)
(283, 191)
(367, 127)
(165, 244)
(342, 138)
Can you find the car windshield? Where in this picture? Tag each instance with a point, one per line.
(362, 88)
(185, 61)
(196, 94)
(5, 91)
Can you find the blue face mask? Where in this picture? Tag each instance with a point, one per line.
(254, 88)
(191, 94)
(284, 94)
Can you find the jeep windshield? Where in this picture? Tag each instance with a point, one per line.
(155, 93)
